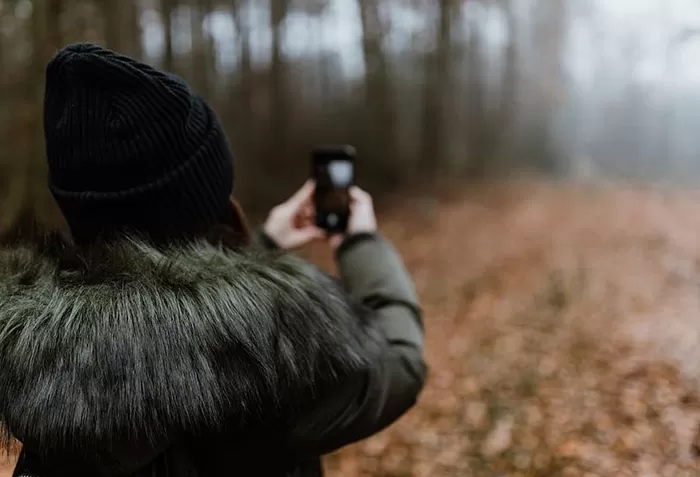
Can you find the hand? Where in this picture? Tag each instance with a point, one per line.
(291, 224)
(362, 217)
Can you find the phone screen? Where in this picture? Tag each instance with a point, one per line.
(333, 169)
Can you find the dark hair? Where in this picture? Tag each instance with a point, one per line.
(233, 232)
(27, 229)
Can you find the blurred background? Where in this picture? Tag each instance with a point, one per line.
(468, 89)
(559, 283)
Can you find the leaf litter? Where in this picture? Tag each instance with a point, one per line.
(561, 332)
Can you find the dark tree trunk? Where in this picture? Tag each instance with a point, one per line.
(437, 81)
(166, 9)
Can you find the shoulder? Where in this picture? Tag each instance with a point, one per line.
(214, 330)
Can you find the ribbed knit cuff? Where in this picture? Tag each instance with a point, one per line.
(265, 240)
(351, 240)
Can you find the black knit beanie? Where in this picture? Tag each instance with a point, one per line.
(131, 149)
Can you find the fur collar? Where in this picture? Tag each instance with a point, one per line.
(125, 341)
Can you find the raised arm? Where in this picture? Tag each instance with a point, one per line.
(374, 279)
(373, 274)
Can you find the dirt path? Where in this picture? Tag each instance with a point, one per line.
(562, 332)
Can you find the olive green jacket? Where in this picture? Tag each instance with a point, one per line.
(126, 360)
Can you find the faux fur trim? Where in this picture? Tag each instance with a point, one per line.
(126, 341)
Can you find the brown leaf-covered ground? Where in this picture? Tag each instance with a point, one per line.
(563, 335)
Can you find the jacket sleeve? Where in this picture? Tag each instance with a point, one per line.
(262, 240)
(373, 274)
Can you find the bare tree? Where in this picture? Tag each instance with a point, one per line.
(166, 10)
(200, 46)
(280, 104)
(509, 77)
(122, 28)
(28, 198)
(242, 95)
(488, 125)
(478, 126)
(241, 98)
(379, 91)
(547, 43)
(437, 81)
(111, 13)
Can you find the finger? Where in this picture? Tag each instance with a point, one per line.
(305, 216)
(335, 241)
(307, 211)
(303, 194)
(359, 195)
(307, 234)
(304, 222)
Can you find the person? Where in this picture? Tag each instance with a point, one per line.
(165, 338)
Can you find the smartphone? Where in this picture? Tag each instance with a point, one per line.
(333, 169)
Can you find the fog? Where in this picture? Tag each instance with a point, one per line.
(626, 102)
(467, 89)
